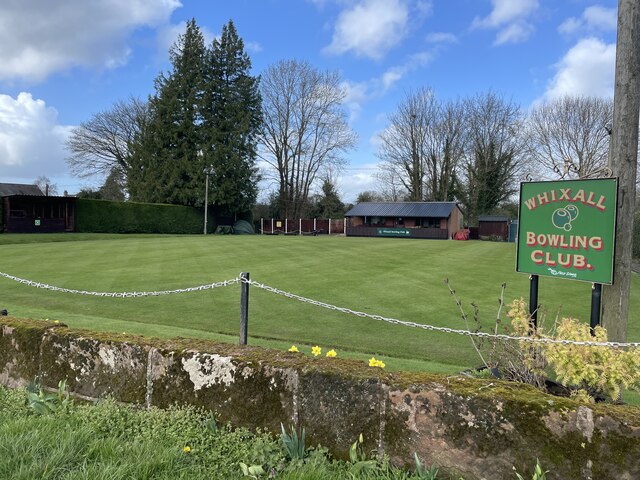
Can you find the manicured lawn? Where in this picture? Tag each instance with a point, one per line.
(396, 278)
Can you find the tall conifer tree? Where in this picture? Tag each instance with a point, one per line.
(231, 123)
(166, 165)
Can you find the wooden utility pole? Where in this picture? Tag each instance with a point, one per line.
(623, 156)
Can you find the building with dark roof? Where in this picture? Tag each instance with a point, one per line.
(8, 189)
(404, 219)
(495, 227)
(25, 209)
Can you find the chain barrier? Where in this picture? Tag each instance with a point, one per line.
(395, 321)
(293, 296)
(53, 288)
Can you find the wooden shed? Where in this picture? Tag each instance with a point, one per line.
(437, 220)
(495, 227)
(25, 209)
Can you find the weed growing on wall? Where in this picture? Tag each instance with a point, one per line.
(587, 372)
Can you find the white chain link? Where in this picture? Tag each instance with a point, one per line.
(293, 296)
(467, 333)
(198, 288)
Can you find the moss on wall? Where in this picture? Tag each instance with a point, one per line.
(471, 427)
(92, 367)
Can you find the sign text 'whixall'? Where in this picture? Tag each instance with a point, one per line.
(567, 229)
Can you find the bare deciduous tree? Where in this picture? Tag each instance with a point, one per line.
(569, 136)
(103, 143)
(423, 145)
(404, 145)
(494, 155)
(44, 184)
(389, 183)
(446, 146)
(305, 129)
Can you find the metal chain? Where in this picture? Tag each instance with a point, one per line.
(293, 296)
(198, 288)
(467, 333)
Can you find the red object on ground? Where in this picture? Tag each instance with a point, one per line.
(462, 234)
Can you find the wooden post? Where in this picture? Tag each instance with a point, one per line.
(244, 308)
(300, 227)
(329, 226)
(623, 155)
(286, 226)
(262, 226)
(314, 225)
(271, 224)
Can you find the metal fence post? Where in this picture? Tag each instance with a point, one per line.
(533, 302)
(244, 307)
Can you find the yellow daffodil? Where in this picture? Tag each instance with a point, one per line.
(293, 349)
(373, 362)
(316, 351)
(186, 449)
(56, 321)
(332, 353)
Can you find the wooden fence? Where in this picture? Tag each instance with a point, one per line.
(302, 226)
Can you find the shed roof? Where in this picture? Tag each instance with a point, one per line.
(402, 209)
(493, 218)
(7, 189)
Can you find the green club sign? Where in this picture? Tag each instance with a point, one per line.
(567, 229)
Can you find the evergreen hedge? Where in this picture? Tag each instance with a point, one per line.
(103, 216)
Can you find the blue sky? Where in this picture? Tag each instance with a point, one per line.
(61, 65)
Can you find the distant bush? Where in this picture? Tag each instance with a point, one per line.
(103, 216)
(491, 238)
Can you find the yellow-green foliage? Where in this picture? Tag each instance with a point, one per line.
(605, 369)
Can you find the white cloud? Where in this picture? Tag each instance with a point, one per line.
(442, 37)
(588, 68)
(595, 18)
(31, 140)
(38, 38)
(601, 18)
(357, 93)
(570, 26)
(357, 179)
(514, 33)
(510, 18)
(253, 47)
(414, 62)
(370, 28)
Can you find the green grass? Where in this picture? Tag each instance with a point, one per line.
(396, 278)
(109, 441)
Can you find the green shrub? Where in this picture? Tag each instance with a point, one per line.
(103, 216)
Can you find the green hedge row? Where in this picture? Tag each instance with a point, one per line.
(103, 216)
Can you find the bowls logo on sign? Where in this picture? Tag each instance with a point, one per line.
(562, 217)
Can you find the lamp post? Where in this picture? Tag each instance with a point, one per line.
(207, 171)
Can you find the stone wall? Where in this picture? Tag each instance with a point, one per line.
(475, 428)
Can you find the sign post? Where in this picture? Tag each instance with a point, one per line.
(566, 230)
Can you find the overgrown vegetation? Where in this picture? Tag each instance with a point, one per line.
(588, 373)
(113, 441)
